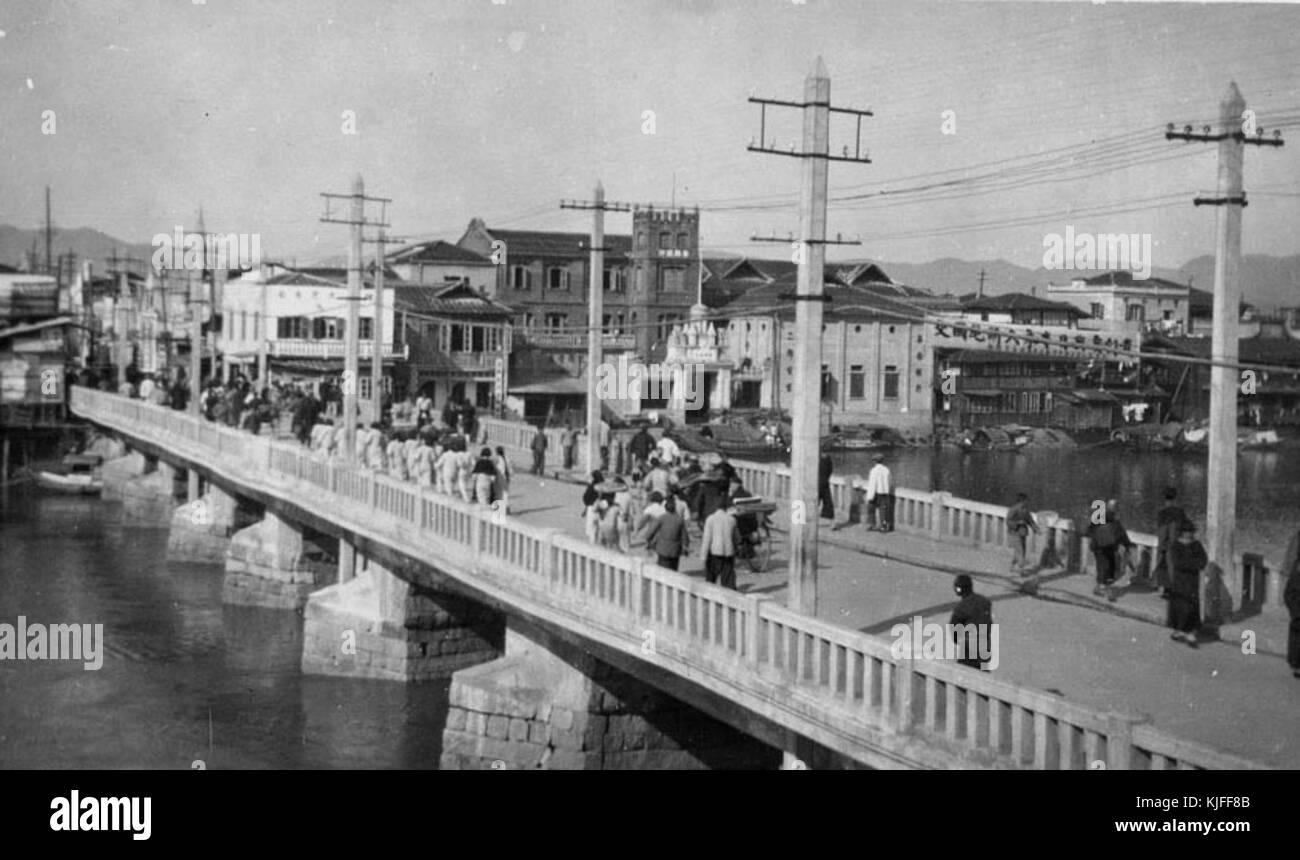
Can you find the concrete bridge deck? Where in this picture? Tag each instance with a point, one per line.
(783, 678)
(1093, 652)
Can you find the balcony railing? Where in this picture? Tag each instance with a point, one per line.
(302, 348)
(574, 340)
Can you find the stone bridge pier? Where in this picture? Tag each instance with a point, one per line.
(375, 624)
(548, 704)
(272, 563)
(201, 527)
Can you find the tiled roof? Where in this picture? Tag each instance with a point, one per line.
(331, 277)
(543, 243)
(437, 251)
(451, 300)
(1124, 278)
(846, 303)
(1265, 350)
(1021, 302)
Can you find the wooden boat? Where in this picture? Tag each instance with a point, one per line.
(77, 474)
(733, 439)
(1258, 440)
(861, 437)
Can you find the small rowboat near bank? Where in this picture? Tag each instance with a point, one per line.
(77, 474)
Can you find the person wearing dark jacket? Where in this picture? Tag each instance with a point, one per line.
(824, 497)
(1168, 521)
(1186, 560)
(539, 451)
(667, 537)
(973, 609)
(640, 447)
(1291, 597)
(1106, 539)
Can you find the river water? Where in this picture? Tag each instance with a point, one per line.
(187, 678)
(184, 678)
(1268, 484)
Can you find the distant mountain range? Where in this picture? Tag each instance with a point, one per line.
(1267, 281)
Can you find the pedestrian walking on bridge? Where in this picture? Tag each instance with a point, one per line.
(880, 497)
(539, 451)
(1107, 539)
(1187, 559)
(1019, 522)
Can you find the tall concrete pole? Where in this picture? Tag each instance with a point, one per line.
(196, 340)
(1221, 504)
(377, 336)
(264, 338)
(595, 311)
(806, 419)
(350, 377)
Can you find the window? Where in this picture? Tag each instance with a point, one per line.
(683, 240)
(557, 321)
(672, 280)
(829, 390)
(1098, 310)
(521, 278)
(367, 330)
(477, 338)
(665, 239)
(458, 338)
(1169, 315)
(891, 382)
(857, 382)
(557, 278)
(640, 239)
(1136, 313)
(615, 280)
(327, 328)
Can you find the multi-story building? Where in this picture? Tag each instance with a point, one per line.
(457, 342)
(876, 356)
(650, 282)
(438, 263)
(1151, 304)
(1267, 398)
(302, 316)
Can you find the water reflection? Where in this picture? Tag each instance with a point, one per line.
(184, 677)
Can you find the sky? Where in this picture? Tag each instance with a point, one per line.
(469, 108)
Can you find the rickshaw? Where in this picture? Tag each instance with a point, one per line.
(754, 522)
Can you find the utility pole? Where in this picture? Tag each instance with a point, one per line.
(810, 253)
(49, 235)
(264, 335)
(356, 221)
(125, 306)
(377, 331)
(595, 311)
(1221, 503)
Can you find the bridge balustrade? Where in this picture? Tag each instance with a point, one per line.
(797, 670)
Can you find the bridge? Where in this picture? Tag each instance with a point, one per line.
(565, 655)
